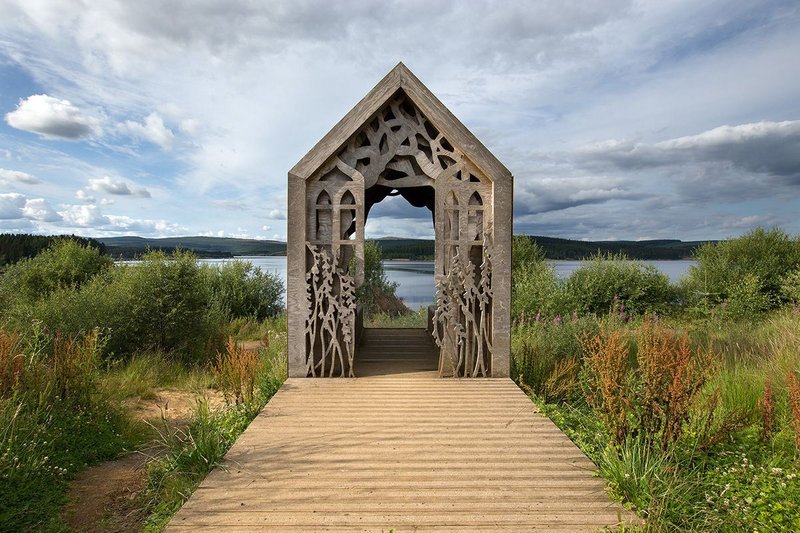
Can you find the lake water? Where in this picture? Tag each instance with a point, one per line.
(415, 278)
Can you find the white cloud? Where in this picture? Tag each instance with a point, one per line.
(277, 214)
(106, 201)
(84, 216)
(15, 176)
(83, 196)
(92, 217)
(152, 129)
(14, 206)
(52, 118)
(11, 206)
(110, 185)
(38, 209)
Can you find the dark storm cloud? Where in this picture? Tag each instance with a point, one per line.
(769, 148)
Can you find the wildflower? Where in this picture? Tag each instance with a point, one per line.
(574, 316)
(557, 320)
(538, 316)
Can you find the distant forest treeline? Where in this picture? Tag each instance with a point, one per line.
(16, 247)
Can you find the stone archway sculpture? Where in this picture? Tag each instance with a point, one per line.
(400, 140)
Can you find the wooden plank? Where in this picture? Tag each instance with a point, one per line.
(403, 451)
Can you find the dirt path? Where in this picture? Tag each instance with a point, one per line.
(102, 498)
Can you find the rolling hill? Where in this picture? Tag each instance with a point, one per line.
(399, 248)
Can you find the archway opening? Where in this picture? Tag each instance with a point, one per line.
(399, 225)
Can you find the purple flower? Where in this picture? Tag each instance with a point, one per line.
(538, 316)
(557, 320)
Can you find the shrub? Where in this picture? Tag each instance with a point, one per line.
(546, 355)
(162, 304)
(766, 255)
(244, 291)
(746, 298)
(604, 282)
(790, 288)
(64, 264)
(534, 286)
(376, 285)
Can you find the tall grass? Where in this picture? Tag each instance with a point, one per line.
(249, 379)
(54, 420)
(693, 423)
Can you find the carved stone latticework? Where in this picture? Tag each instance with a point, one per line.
(463, 317)
(400, 141)
(331, 317)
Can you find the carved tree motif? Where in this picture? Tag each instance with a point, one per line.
(330, 322)
(463, 317)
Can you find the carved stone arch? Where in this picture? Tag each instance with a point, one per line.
(400, 140)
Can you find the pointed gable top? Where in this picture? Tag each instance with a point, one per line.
(400, 78)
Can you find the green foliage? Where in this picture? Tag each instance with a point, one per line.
(790, 287)
(66, 264)
(417, 319)
(525, 253)
(634, 470)
(534, 286)
(192, 453)
(54, 420)
(746, 298)
(376, 285)
(540, 347)
(754, 493)
(17, 246)
(243, 290)
(612, 283)
(766, 256)
(162, 304)
(166, 303)
(720, 473)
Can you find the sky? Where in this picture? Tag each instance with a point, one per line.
(619, 119)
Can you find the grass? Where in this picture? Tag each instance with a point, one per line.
(54, 421)
(62, 410)
(143, 375)
(714, 467)
(417, 319)
(248, 379)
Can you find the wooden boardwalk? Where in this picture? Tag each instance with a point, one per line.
(402, 450)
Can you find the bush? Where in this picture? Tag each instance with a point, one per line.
(66, 264)
(244, 291)
(790, 288)
(163, 304)
(766, 256)
(612, 283)
(534, 286)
